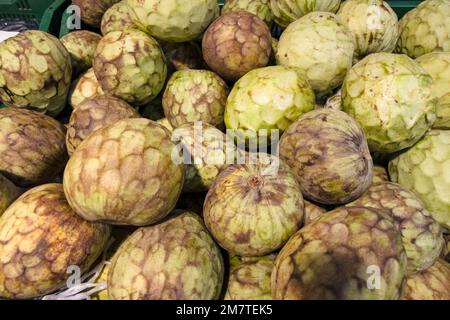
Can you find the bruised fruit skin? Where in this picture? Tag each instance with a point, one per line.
(329, 155)
(93, 10)
(184, 55)
(204, 152)
(124, 174)
(380, 174)
(421, 234)
(431, 284)
(270, 99)
(312, 212)
(40, 237)
(32, 146)
(336, 257)
(249, 278)
(195, 95)
(253, 209)
(86, 86)
(174, 260)
(236, 43)
(117, 18)
(173, 20)
(261, 8)
(8, 193)
(93, 114)
(130, 65)
(35, 72)
(81, 46)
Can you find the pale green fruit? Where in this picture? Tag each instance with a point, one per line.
(269, 98)
(443, 113)
(319, 45)
(390, 97)
(117, 18)
(93, 10)
(35, 72)
(287, 11)
(373, 23)
(425, 170)
(425, 29)
(173, 20)
(261, 8)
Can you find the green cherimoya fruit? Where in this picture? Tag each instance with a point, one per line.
(237, 43)
(431, 284)
(130, 65)
(91, 11)
(425, 170)
(204, 150)
(347, 254)
(173, 20)
(117, 18)
(174, 260)
(373, 23)
(261, 8)
(380, 174)
(329, 155)
(268, 99)
(32, 148)
(249, 278)
(253, 209)
(287, 11)
(195, 95)
(124, 174)
(86, 86)
(40, 238)
(421, 234)
(8, 193)
(93, 114)
(35, 72)
(312, 212)
(323, 49)
(81, 46)
(443, 113)
(425, 29)
(390, 97)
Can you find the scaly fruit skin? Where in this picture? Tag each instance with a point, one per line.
(35, 72)
(329, 155)
(312, 212)
(431, 284)
(443, 113)
(81, 46)
(32, 146)
(173, 260)
(117, 18)
(205, 153)
(236, 43)
(173, 20)
(269, 98)
(93, 10)
(425, 29)
(40, 237)
(260, 8)
(8, 193)
(424, 169)
(181, 56)
(93, 114)
(86, 86)
(421, 234)
(165, 123)
(124, 174)
(288, 11)
(380, 174)
(336, 256)
(195, 95)
(323, 49)
(390, 97)
(130, 65)
(249, 278)
(373, 23)
(253, 209)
